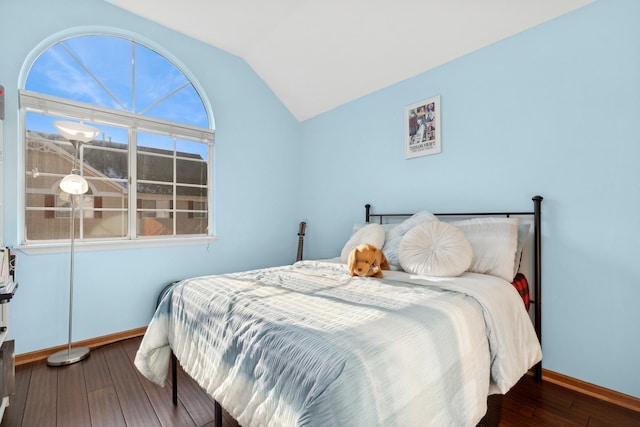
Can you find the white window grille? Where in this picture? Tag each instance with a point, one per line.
(149, 170)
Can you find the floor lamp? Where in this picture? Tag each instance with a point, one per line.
(73, 184)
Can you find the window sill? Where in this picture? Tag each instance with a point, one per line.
(110, 245)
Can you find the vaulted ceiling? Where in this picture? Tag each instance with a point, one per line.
(318, 54)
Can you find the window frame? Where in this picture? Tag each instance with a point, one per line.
(73, 110)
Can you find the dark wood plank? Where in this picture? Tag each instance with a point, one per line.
(169, 415)
(41, 406)
(552, 417)
(135, 405)
(602, 413)
(197, 402)
(14, 413)
(118, 396)
(72, 406)
(105, 408)
(96, 371)
(227, 421)
(534, 404)
(191, 396)
(131, 348)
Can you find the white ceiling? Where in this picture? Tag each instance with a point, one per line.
(318, 54)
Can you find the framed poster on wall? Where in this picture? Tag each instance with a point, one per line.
(422, 128)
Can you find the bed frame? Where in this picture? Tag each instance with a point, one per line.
(494, 402)
(536, 246)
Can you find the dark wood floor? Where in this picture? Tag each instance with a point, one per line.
(106, 390)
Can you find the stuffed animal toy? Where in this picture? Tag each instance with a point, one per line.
(367, 260)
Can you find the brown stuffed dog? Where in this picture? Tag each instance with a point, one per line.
(367, 260)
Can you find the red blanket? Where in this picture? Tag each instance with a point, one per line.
(522, 286)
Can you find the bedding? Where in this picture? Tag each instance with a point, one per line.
(497, 242)
(372, 234)
(435, 248)
(396, 232)
(494, 242)
(308, 345)
(523, 236)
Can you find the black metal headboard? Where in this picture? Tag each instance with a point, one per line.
(537, 253)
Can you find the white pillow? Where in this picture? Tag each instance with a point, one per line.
(523, 236)
(372, 234)
(494, 242)
(395, 234)
(435, 249)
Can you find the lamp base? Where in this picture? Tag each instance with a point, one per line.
(67, 357)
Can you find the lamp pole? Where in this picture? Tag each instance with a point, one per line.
(74, 185)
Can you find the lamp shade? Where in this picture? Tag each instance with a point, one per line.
(76, 131)
(74, 184)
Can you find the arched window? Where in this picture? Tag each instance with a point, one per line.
(148, 169)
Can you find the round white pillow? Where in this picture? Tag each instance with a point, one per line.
(372, 234)
(435, 249)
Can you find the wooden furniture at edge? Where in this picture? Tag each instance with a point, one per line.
(7, 355)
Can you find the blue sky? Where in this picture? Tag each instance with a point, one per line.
(98, 70)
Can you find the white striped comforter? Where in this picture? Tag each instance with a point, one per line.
(308, 345)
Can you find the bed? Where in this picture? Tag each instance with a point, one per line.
(308, 345)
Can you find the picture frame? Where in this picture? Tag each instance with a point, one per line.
(422, 128)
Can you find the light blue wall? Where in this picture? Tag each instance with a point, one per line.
(552, 111)
(257, 152)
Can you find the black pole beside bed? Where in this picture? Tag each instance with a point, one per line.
(537, 279)
(174, 392)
